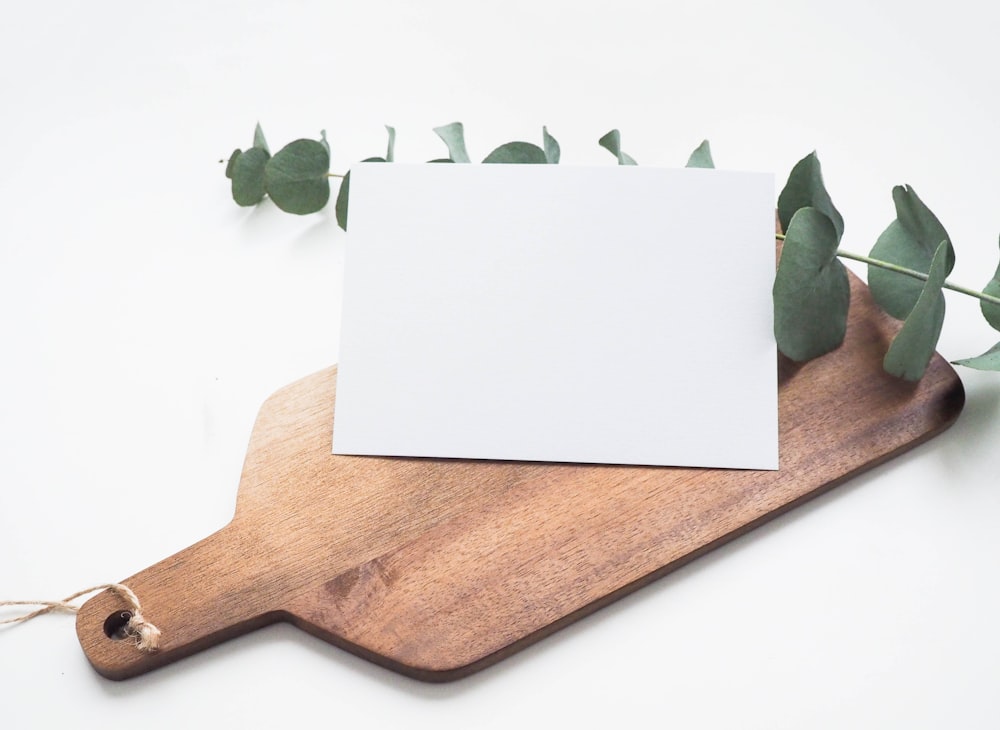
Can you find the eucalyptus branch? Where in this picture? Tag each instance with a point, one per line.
(811, 291)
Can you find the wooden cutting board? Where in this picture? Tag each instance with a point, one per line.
(436, 568)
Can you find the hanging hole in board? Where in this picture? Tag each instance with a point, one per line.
(116, 625)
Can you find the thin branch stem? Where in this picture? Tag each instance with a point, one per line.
(909, 272)
(918, 275)
(333, 174)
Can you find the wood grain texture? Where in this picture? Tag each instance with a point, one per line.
(436, 568)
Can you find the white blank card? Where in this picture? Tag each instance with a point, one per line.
(615, 315)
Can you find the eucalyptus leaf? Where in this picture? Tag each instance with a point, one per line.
(910, 241)
(453, 135)
(989, 360)
(523, 153)
(232, 162)
(296, 177)
(612, 142)
(811, 289)
(805, 188)
(258, 139)
(326, 146)
(990, 310)
(552, 151)
(911, 350)
(702, 156)
(340, 207)
(343, 196)
(441, 159)
(248, 176)
(390, 149)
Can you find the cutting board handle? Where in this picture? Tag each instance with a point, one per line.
(196, 598)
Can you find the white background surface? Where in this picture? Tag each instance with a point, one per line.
(144, 317)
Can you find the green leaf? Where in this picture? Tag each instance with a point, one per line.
(248, 176)
(612, 142)
(805, 188)
(990, 310)
(258, 139)
(702, 156)
(523, 153)
(340, 207)
(453, 135)
(390, 149)
(296, 177)
(552, 151)
(989, 360)
(441, 159)
(232, 162)
(910, 241)
(911, 350)
(811, 290)
(326, 145)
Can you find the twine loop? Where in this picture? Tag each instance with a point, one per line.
(137, 629)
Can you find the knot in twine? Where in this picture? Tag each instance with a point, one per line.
(137, 629)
